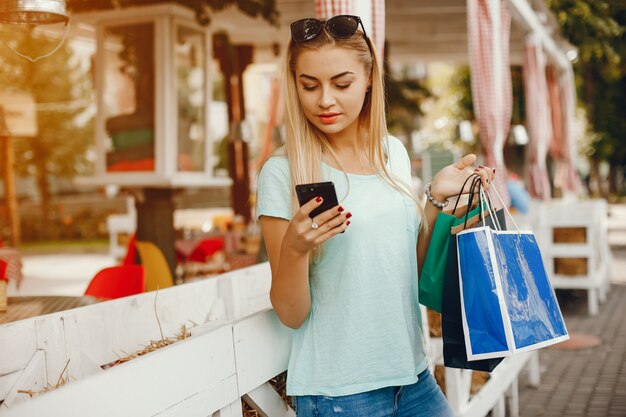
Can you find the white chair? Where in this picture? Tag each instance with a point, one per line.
(591, 215)
(121, 224)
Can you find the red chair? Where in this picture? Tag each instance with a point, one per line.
(3, 270)
(117, 281)
(206, 248)
(131, 251)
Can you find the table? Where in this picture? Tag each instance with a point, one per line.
(20, 308)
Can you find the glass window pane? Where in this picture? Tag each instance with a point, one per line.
(190, 81)
(129, 97)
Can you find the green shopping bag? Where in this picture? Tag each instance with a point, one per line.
(432, 273)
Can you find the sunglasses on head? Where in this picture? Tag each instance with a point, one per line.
(339, 27)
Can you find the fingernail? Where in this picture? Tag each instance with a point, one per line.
(348, 223)
(476, 170)
(318, 199)
(494, 170)
(487, 181)
(340, 209)
(348, 215)
(480, 166)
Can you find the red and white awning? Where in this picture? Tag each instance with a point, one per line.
(538, 117)
(488, 26)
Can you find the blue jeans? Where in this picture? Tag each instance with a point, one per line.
(422, 399)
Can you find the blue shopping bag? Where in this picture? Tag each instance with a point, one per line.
(507, 301)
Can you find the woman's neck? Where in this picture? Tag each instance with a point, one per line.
(350, 151)
(347, 141)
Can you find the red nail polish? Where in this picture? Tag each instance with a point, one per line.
(480, 166)
(348, 215)
(340, 209)
(348, 223)
(318, 199)
(494, 170)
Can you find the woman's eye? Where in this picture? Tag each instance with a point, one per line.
(309, 87)
(343, 86)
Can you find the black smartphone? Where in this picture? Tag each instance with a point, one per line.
(326, 190)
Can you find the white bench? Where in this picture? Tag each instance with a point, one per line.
(591, 215)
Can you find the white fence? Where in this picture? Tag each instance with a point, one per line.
(237, 345)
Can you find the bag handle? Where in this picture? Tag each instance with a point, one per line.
(492, 211)
(505, 207)
(458, 197)
(475, 182)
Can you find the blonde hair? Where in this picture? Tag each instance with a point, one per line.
(306, 145)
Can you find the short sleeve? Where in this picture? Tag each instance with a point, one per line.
(399, 158)
(274, 189)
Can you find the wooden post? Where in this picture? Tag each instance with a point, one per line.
(155, 221)
(233, 61)
(8, 176)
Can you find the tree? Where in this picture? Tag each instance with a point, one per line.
(404, 96)
(62, 91)
(596, 28)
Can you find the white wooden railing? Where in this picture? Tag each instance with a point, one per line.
(237, 345)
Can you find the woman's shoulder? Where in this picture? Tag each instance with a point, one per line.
(275, 166)
(394, 144)
(396, 149)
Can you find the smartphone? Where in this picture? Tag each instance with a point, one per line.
(326, 190)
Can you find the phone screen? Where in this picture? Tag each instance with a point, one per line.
(326, 190)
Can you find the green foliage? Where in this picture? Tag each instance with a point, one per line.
(592, 27)
(404, 96)
(62, 91)
(596, 28)
(461, 83)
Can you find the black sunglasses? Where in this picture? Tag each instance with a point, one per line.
(340, 27)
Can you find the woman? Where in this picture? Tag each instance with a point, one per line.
(346, 280)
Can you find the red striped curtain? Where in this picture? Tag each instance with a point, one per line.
(489, 25)
(558, 145)
(570, 179)
(538, 117)
(325, 9)
(329, 8)
(378, 27)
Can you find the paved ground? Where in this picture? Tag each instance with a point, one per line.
(588, 382)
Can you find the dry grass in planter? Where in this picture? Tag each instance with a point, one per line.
(154, 344)
(60, 382)
(151, 347)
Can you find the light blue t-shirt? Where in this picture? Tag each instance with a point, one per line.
(364, 328)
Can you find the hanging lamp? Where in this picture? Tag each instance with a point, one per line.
(34, 12)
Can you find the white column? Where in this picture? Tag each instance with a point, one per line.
(363, 9)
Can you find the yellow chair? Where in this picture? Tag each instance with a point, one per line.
(158, 274)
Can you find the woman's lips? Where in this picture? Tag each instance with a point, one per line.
(328, 118)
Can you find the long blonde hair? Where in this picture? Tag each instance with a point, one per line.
(306, 145)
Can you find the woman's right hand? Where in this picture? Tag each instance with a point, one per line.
(302, 236)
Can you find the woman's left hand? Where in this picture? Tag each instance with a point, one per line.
(448, 182)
